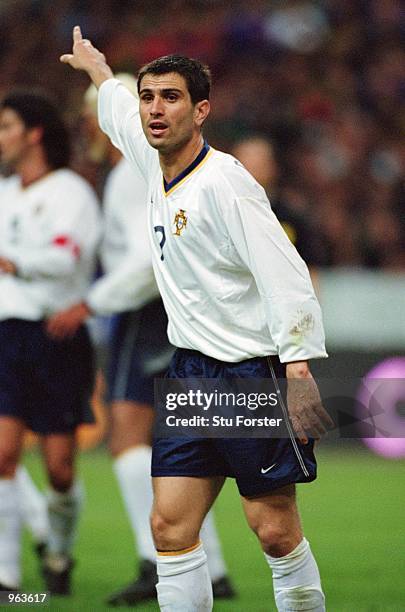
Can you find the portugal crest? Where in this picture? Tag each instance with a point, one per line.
(180, 222)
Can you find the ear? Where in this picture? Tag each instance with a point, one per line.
(35, 135)
(201, 112)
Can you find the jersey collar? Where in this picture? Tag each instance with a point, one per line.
(168, 187)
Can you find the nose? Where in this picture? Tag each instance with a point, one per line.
(156, 108)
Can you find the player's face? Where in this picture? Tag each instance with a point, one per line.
(169, 117)
(14, 139)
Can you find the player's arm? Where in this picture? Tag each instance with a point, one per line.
(127, 288)
(118, 109)
(308, 417)
(71, 234)
(132, 284)
(293, 313)
(58, 258)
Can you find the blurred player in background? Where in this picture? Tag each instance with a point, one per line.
(219, 255)
(31, 501)
(139, 352)
(49, 233)
(258, 156)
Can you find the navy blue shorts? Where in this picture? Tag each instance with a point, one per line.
(47, 383)
(139, 352)
(259, 465)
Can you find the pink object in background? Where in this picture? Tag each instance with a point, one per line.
(388, 395)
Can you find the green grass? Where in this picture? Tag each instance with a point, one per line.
(354, 517)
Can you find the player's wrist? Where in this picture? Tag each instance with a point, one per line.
(298, 369)
(100, 72)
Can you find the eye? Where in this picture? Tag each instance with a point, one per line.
(171, 97)
(146, 97)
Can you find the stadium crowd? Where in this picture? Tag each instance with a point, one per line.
(323, 80)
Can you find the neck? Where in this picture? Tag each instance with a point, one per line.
(175, 162)
(32, 169)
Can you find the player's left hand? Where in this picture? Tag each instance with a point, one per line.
(65, 324)
(7, 266)
(308, 416)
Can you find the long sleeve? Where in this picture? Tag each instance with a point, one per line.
(67, 238)
(128, 282)
(50, 231)
(292, 310)
(118, 113)
(127, 288)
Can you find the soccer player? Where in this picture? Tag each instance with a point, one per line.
(240, 304)
(139, 352)
(49, 231)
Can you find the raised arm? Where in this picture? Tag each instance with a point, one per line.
(118, 109)
(86, 57)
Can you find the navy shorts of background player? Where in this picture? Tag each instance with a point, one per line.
(139, 352)
(245, 459)
(44, 382)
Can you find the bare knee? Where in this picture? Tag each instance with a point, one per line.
(171, 535)
(60, 474)
(278, 540)
(276, 523)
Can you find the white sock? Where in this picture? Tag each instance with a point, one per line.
(10, 531)
(33, 505)
(296, 580)
(63, 511)
(132, 469)
(184, 582)
(212, 547)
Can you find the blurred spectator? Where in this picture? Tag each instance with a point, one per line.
(257, 155)
(324, 80)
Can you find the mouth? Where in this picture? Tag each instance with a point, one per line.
(157, 128)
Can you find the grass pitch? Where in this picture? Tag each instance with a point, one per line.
(354, 517)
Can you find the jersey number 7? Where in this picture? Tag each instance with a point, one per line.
(160, 229)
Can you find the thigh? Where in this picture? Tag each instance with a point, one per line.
(185, 500)
(131, 425)
(11, 440)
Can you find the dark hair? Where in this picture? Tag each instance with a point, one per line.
(196, 74)
(37, 110)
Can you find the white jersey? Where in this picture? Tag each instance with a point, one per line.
(233, 285)
(3, 182)
(50, 231)
(128, 282)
